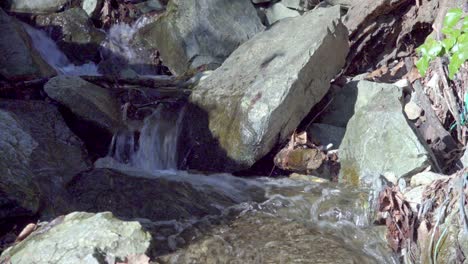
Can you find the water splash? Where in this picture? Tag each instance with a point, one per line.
(154, 150)
(49, 51)
(119, 47)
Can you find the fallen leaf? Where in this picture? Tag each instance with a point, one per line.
(27, 230)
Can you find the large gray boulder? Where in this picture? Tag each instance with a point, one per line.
(80, 238)
(263, 90)
(38, 156)
(378, 139)
(74, 33)
(34, 6)
(196, 33)
(20, 61)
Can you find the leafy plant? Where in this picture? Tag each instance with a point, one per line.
(454, 45)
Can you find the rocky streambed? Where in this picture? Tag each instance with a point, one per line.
(123, 123)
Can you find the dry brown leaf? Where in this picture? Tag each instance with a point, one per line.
(300, 138)
(27, 230)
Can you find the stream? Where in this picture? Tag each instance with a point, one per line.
(273, 220)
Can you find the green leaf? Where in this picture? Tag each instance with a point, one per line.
(451, 32)
(465, 25)
(452, 17)
(431, 48)
(434, 49)
(456, 61)
(448, 43)
(461, 44)
(423, 64)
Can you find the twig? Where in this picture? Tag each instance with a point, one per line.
(319, 113)
(463, 183)
(449, 97)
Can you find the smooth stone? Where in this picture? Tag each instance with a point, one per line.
(378, 138)
(412, 110)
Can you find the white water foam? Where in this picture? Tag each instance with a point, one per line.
(119, 48)
(154, 151)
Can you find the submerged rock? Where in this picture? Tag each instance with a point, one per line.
(280, 241)
(38, 156)
(378, 138)
(34, 6)
(263, 90)
(20, 61)
(74, 33)
(80, 238)
(156, 197)
(205, 32)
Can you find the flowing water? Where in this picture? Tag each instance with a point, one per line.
(292, 222)
(118, 46)
(295, 222)
(50, 52)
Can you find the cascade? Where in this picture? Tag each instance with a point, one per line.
(50, 52)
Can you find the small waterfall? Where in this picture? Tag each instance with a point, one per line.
(155, 148)
(54, 56)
